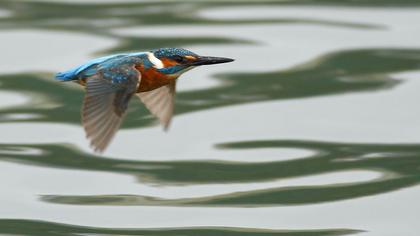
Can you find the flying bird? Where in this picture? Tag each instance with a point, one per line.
(110, 82)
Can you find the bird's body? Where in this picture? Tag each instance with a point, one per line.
(150, 77)
(111, 81)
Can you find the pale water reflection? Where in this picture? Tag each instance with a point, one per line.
(49, 50)
(4, 13)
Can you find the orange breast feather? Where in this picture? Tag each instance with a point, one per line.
(152, 79)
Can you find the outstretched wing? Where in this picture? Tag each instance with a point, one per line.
(160, 102)
(107, 95)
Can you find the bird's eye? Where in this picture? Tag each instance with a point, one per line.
(179, 59)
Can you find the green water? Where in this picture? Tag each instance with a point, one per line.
(313, 130)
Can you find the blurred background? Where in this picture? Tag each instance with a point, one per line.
(313, 130)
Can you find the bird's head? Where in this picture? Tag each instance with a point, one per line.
(175, 61)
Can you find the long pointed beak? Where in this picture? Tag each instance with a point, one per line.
(211, 60)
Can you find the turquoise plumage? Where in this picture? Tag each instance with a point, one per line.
(76, 72)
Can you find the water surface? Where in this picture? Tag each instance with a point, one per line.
(314, 130)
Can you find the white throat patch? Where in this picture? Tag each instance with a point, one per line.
(155, 61)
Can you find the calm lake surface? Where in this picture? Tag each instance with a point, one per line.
(314, 130)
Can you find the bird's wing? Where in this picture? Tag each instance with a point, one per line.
(160, 102)
(107, 95)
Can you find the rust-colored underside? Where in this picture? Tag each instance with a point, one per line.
(150, 79)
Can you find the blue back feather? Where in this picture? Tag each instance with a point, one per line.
(89, 68)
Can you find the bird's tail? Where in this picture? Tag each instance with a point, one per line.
(66, 76)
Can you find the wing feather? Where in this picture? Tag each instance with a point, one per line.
(98, 118)
(160, 102)
(106, 102)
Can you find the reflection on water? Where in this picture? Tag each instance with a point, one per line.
(27, 227)
(397, 163)
(312, 128)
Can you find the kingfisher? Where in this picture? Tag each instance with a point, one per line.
(111, 81)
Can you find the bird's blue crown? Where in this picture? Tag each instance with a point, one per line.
(172, 52)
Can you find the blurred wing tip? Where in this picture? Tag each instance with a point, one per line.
(98, 148)
(166, 127)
